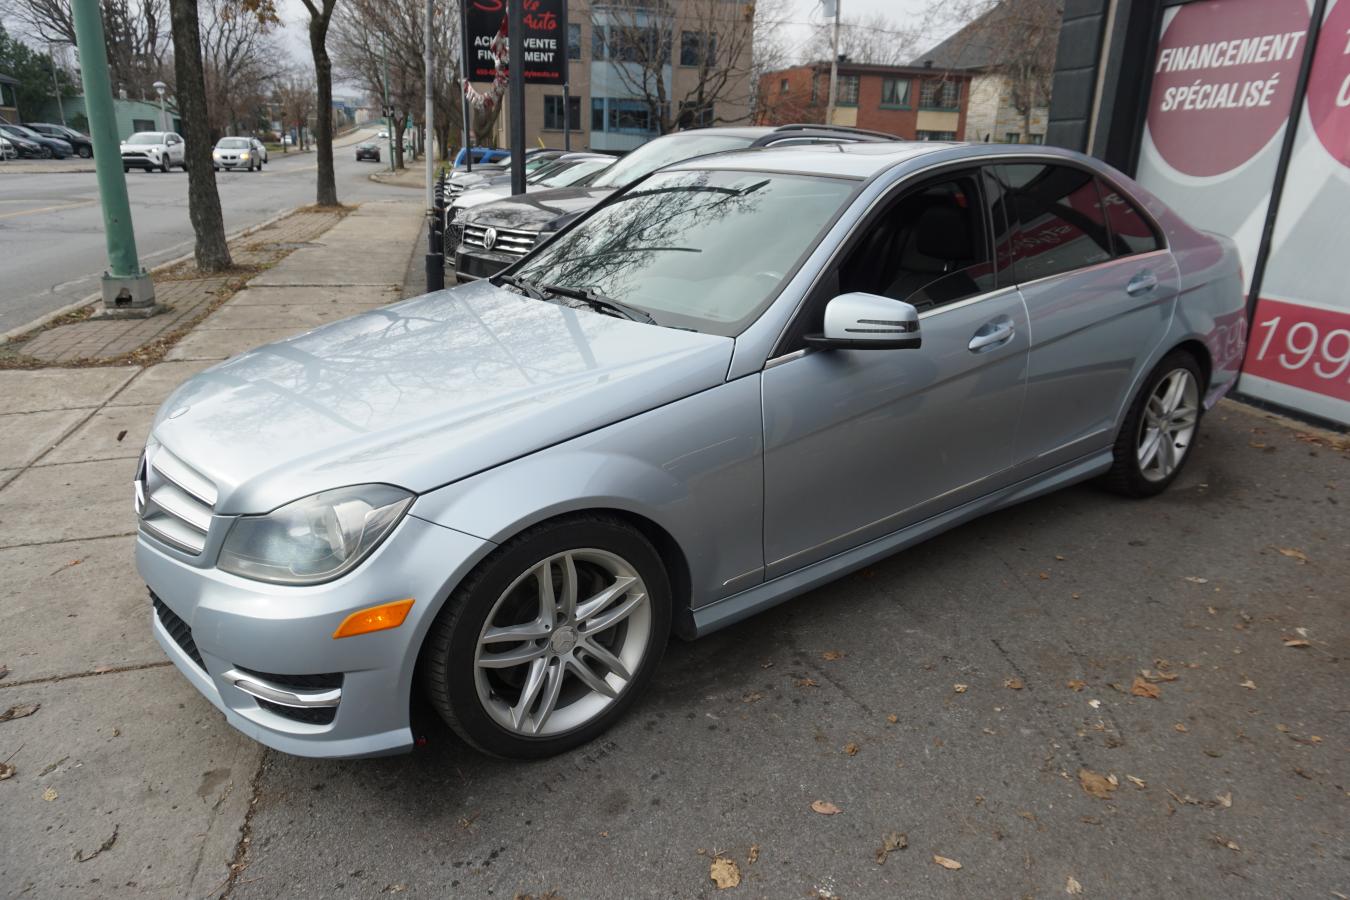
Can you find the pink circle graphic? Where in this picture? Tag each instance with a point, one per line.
(1329, 84)
(1223, 81)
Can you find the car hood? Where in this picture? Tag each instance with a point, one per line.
(423, 393)
(541, 211)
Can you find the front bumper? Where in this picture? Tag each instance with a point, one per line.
(220, 625)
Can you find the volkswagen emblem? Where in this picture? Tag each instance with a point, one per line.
(489, 238)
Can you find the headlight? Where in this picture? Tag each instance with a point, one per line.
(314, 539)
(244, 155)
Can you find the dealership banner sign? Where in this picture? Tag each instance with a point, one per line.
(544, 40)
(1224, 94)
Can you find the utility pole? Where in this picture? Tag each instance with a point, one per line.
(834, 61)
(127, 288)
(435, 263)
(56, 86)
(516, 29)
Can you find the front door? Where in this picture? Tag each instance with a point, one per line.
(860, 443)
(1099, 291)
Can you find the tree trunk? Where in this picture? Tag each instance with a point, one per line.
(212, 252)
(326, 193)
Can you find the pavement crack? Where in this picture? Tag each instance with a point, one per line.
(70, 540)
(239, 862)
(110, 670)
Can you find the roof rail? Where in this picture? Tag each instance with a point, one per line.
(845, 129)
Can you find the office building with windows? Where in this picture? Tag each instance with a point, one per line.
(913, 102)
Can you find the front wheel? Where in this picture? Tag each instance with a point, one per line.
(46, 153)
(86, 153)
(548, 642)
(164, 165)
(1160, 429)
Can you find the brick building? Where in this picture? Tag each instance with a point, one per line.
(914, 102)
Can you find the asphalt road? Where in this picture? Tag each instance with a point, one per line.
(51, 227)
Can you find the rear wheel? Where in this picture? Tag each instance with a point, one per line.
(1160, 429)
(550, 640)
(46, 152)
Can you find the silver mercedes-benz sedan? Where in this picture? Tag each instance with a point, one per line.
(742, 377)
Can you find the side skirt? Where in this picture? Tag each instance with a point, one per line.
(730, 610)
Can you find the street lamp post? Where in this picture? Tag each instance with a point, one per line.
(160, 87)
(127, 288)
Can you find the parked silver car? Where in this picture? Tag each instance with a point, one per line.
(738, 379)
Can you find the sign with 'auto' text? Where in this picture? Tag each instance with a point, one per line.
(544, 40)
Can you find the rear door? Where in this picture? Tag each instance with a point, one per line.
(1099, 300)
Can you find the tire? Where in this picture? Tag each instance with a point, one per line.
(86, 153)
(45, 153)
(477, 701)
(164, 165)
(1135, 472)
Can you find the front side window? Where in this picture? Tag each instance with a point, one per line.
(895, 92)
(1060, 225)
(662, 152)
(848, 90)
(699, 249)
(1131, 231)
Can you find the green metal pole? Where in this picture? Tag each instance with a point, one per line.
(130, 281)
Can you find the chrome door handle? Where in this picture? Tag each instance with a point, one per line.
(990, 335)
(1141, 284)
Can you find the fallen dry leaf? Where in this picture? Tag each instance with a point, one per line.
(4, 670)
(825, 808)
(1014, 684)
(19, 712)
(1141, 688)
(1293, 553)
(753, 856)
(807, 682)
(1137, 782)
(50, 794)
(1225, 799)
(831, 655)
(1248, 684)
(1297, 643)
(1157, 677)
(1181, 727)
(106, 845)
(1077, 596)
(1072, 886)
(851, 749)
(1045, 576)
(894, 841)
(724, 873)
(892, 718)
(945, 862)
(1096, 784)
(1195, 579)
(7, 771)
(1095, 704)
(1226, 842)
(1076, 685)
(960, 688)
(752, 697)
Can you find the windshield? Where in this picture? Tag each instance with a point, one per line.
(666, 150)
(705, 250)
(233, 144)
(22, 131)
(575, 172)
(146, 137)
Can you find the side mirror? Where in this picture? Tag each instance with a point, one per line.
(860, 321)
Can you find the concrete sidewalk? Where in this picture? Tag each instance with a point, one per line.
(121, 754)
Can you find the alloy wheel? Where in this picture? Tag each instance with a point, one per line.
(562, 643)
(1168, 425)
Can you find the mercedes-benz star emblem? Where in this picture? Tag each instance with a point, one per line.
(489, 239)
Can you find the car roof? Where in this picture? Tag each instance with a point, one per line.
(863, 160)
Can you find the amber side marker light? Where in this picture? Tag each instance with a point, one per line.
(374, 618)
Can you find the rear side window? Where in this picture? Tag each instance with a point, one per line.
(1131, 231)
(1059, 221)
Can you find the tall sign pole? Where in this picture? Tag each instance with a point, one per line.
(466, 56)
(126, 286)
(435, 263)
(516, 36)
(567, 78)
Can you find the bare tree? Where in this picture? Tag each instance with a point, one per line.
(239, 57)
(294, 94)
(135, 33)
(712, 41)
(320, 15)
(212, 251)
(873, 39)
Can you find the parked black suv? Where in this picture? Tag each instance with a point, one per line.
(81, 143)
(494, 235)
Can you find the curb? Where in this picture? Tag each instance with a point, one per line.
(38, 323)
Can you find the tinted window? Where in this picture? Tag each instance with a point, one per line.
(1131, 231)
(706, 250)
(1060, 225)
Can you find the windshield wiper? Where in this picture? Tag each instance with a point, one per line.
(524, 285)
(600, 302)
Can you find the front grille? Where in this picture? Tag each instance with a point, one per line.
(454, 233)
(179, 630)
(174, 501)
(515, 241)
(316, 715)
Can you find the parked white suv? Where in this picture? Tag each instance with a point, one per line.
(153, 150)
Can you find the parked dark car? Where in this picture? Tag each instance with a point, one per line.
(495, 235)
(23, 147)
(49, 146)
(82, 144)
(368, 150)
